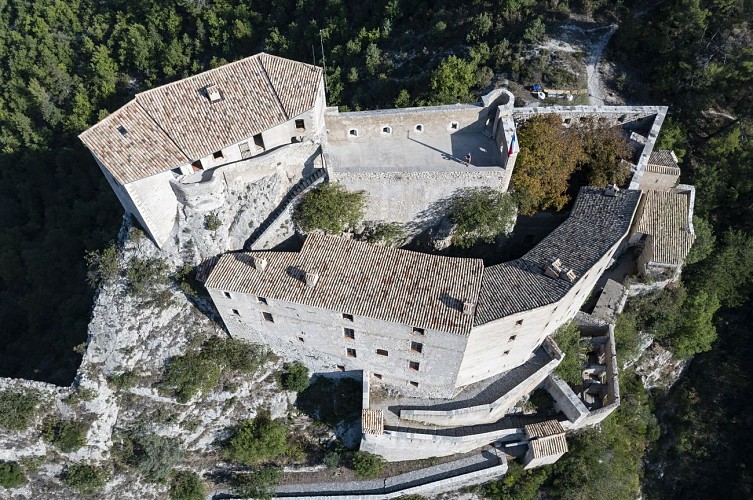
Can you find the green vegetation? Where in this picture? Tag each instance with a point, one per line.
(368, 466)
(481, 214)
(332, 460)
(603, 149)
(212, 222)
(330, 208)
(123, 381)
(516, 484)
(103, 266)
(198, 372)
(145, 275)
(332, 401)
(85, 478)
(66, 435)
(295, 378)
(186, 279)
(258, 440)
(570, 369)
(387, 233)
(258, 484)
(17, 409)
(153, 456)
(187, 485)
(11, 475)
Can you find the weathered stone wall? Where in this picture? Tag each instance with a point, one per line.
(155, 204)
(315, 337)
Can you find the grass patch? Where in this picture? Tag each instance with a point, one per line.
(17, 409)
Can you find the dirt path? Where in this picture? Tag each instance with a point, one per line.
(596, 92)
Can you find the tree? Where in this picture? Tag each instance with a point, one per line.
(368, 466)
(481, 214)
(66, 435)
(549, 155)
(258, 440)
(330, 208)
(85, 478)
(187, 485)
(704, 243)
(452, 80)
(696, 331)
(103, 266)
(295, 378)
(570, 369)
(604, 149)
(11, 475)
(258, 484)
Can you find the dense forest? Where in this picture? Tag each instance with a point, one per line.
(66, 64)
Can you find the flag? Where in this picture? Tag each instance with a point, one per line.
(511, 149)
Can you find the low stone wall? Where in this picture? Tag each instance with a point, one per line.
(202, 196)
(565, 399)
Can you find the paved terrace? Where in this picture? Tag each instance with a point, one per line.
(415, 152)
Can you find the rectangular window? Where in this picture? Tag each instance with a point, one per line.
(301, 339)
(382, 352)
(505, 353)
(258, 142)
(268, 317)
(227, 295)
(414, 384)
(416, 347)
(512, 338)
(413, 365)
(349, 333)
(348, 317)
(351, 353)
(341, 368)
(418, 331)
(262, 300)
(378, 375)
(236, 312)
(300, 125)
(217, 154)
(520, 322)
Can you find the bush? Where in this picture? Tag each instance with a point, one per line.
(387, 233)
(258, 440)
(123, 380)
(368, 466)
(145, 274)
(85, 478)
(330, 208)
(66, 435)
(570, 369)
(11, 475)
(186, 280)
(212, 222)
(481, 214)
(295, 378)
(332, 460)
(517, 484)
(259, 484)
(103, 266)
(151, 455)
(187, 486)
(17, 409)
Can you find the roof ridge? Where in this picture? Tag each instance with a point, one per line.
(146, 112)
(272, 86)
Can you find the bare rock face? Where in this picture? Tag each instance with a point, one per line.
(658, 367)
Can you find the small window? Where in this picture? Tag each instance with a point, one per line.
(505, 353)
(348, 317)
(418, 331)
(419, 128)
(301, 339)
(236, 312)
(217, 154)
(300, 125)
(416, 347)
(378, 375)
(382, 352)
(268, 317)
(227, 295)
(414, 384)
(454, 125)
(413, 365)
(122, 130)
(341, 368)
(262, 300)
(386, 130)
(519, 322)
(353, 133)
(512, 338)
(351, 353)
(349, 333)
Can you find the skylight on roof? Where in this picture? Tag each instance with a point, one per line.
(213, 93)
(122, 130)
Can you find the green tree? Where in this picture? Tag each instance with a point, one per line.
(481, 214)
(704, 243)
(570, 369)
(696, 331)
(85, 478)
(452, 80)
(367, 465)
(258, 440)
(11, 475)
(517, 484)
(604, 149)
(187, 485)
(259, 484)
(295, 378)
(66, 435)
(103, 266)
(330, 208)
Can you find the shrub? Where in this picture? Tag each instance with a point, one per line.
(367, 466)
(153, 456)
(258, 440)
(570, 369)
(11, 475)
(259, 484)
(212, 222)
(145, 274)
(123, 380)
(604, 149)
(187, 486)
(85, 478)
(295, 378)
(332, 460)
(17, 409)
(66, 435)
(387, 233)
(330, 208)
(481, 214)
(103, 266)
(186, 279)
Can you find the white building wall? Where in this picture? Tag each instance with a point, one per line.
(316, 337)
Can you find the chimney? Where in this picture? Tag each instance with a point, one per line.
(469, 308)
(568, 275)
(260, 264)
(311, 278)
(611, 190)
(553, 269)
(213, 93)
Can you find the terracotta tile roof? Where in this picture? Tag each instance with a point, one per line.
(543, 429)
(548, 446)
(595, 224)
(665, 216)
(663, 157)
(256, 94)
(131, 145)
(417, 289)
(372, 422)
